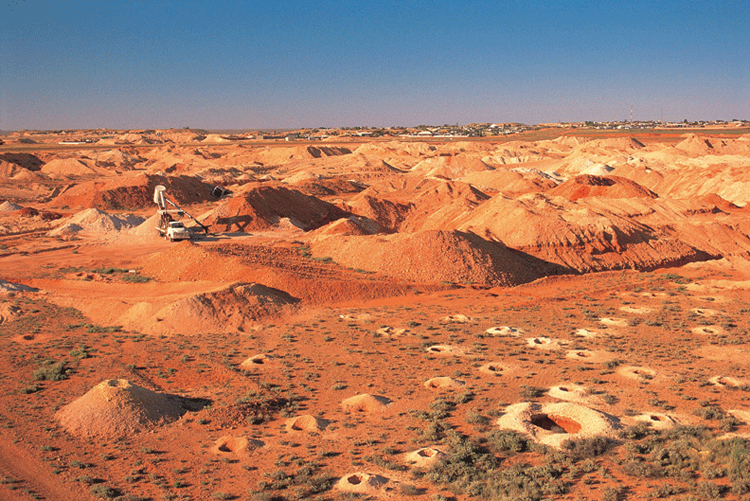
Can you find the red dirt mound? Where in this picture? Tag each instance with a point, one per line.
(226, 310)
(574, 235)
(133, 191)
(327, 187)
(388, 214)
(352, 225)
(45, 215)
(586, 185)
(260, 206)
(25, 160)
(413, 204)
(281, 267)
(435, 257)
(439, 203)
(327, 151)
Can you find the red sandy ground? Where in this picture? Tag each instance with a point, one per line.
(328, 350)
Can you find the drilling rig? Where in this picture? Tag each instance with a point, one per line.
(168, 227)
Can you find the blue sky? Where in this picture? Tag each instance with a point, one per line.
(288, 64)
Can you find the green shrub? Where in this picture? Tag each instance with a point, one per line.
(586, 447)
(739, 465)
(53, 371)
(531, 392)
(104, 491)
(507, 441)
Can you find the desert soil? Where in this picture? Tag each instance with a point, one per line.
(557, 318)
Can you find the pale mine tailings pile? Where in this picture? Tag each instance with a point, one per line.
(116, 408)
(230, 309)
(553, 424)
(97, 222)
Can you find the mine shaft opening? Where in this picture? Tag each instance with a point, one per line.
(555, 424)
(354, 480)
(426, 453)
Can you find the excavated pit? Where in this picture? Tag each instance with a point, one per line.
(555, 424)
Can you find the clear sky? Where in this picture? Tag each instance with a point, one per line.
(312, 63)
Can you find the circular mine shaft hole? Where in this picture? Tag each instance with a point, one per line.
(655, 418)
(426, 453)
(258, 361)
(538, 341)
(583, 354)
(28, 337)
(224, 448)
(354, 479)
(492, 368)
(436, 349)
(555, 424)
(562, 388)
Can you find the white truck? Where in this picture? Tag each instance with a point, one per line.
(175, 231)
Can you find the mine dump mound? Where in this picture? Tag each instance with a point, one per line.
(387, 213)
(450, 167)
(25, 160)
(239, 447)
(69, 168)
(9, 287)
(425, 457)
(657, 420)
(443, 383)
(352, 225)
(9, 170)
(261, 206)
(97, 221)
(496, 369)
(115, 408)
(306, 423)
(438, 204)
(8, 312)
(229, 309)
(579, 235)
(133, 191)
(20, 166)
(322, 187)
(413, 204)
(508, 181)
(9, 207)
(585, 186)
(365, 403)
(696, 145)
(116, 159)
(435, 257)
(553, 424)
(361, 483)
(258, 361)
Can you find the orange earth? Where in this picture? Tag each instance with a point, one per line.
(558, 318)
